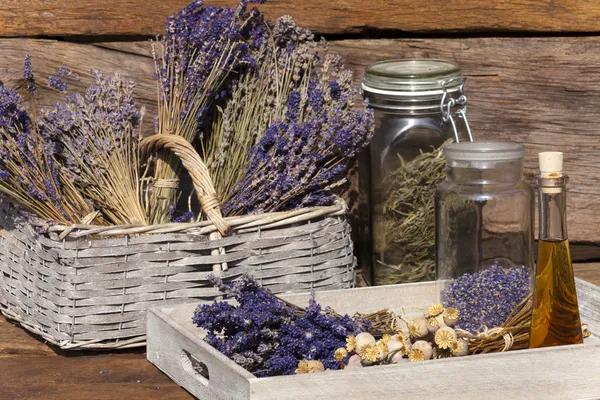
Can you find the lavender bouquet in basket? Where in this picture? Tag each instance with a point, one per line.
(278, 128)
(269, 110)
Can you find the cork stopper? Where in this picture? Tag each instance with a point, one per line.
(551, 166)
(551, 163)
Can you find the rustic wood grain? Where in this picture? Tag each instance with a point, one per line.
(15, 341)
(147, 17)
(30, 370)
(588, 272)
(544, 92)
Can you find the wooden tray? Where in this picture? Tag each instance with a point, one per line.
(175, 346)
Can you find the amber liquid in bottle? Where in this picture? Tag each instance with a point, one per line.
(556, 312)
(555, 318)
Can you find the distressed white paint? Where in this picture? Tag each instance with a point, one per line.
(567, 372)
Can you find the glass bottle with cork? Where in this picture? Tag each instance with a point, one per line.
(555, 318)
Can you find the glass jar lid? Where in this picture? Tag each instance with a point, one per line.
(411, 77)
(483, 151)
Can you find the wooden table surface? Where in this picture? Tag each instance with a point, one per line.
(29, 369)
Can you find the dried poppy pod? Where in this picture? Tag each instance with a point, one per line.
(425, 347)
(450, 316)
(418, 328)
(445, 337)
(459, 348)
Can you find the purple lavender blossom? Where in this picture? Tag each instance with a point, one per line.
(57, 83)
(186, 217)
(13, 116)
(87, 133)
(28, 75)
(107, 105)
(65, 71)
(30, 172)
(202, 45)
(488, 297)
(268, 337)
(307, 150)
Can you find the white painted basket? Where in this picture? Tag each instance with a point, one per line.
(88, 287)
(175, 346)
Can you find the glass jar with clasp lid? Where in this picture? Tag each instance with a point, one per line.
(419, 105)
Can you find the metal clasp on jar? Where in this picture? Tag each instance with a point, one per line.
(455, 107)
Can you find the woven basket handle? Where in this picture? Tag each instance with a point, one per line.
(191, 161)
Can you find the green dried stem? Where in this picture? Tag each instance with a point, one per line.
(406, 228)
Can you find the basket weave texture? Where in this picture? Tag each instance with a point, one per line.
(88, 287)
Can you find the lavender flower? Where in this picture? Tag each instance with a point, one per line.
(57, 83)
(186, 217)
(268, 337)
(28, 75)
(31, 175)
(67, 72)
(201, 46)
(200, 49)
(310, 134)
(97, 137)
(488, 297)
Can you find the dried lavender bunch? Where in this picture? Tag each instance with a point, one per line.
(29, 172)
(258, 97)
(99, 134)
(268, 337)
(202, 45)
(488, 297)
(313, 132)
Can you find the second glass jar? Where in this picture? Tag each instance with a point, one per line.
(484, 210)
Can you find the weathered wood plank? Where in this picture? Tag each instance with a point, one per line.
(99, 377)
(544, 92)
(588, 272)
(146, 17)
(16, 342)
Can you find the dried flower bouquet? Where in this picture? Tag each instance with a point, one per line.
(258, 114)
(270, 112)
(269, 336)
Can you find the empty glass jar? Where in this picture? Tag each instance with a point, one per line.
(484, 210)
(419, 105)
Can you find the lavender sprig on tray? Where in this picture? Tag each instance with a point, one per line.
(268, 337)
(488, 297)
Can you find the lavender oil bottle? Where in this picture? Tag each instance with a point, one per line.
(555, 318)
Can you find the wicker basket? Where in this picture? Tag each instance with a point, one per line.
(88, 287)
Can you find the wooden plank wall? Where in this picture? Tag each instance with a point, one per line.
(533, 66)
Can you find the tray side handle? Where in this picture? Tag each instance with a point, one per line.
(190, 362)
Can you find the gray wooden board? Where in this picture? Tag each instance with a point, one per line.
(176, 346)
